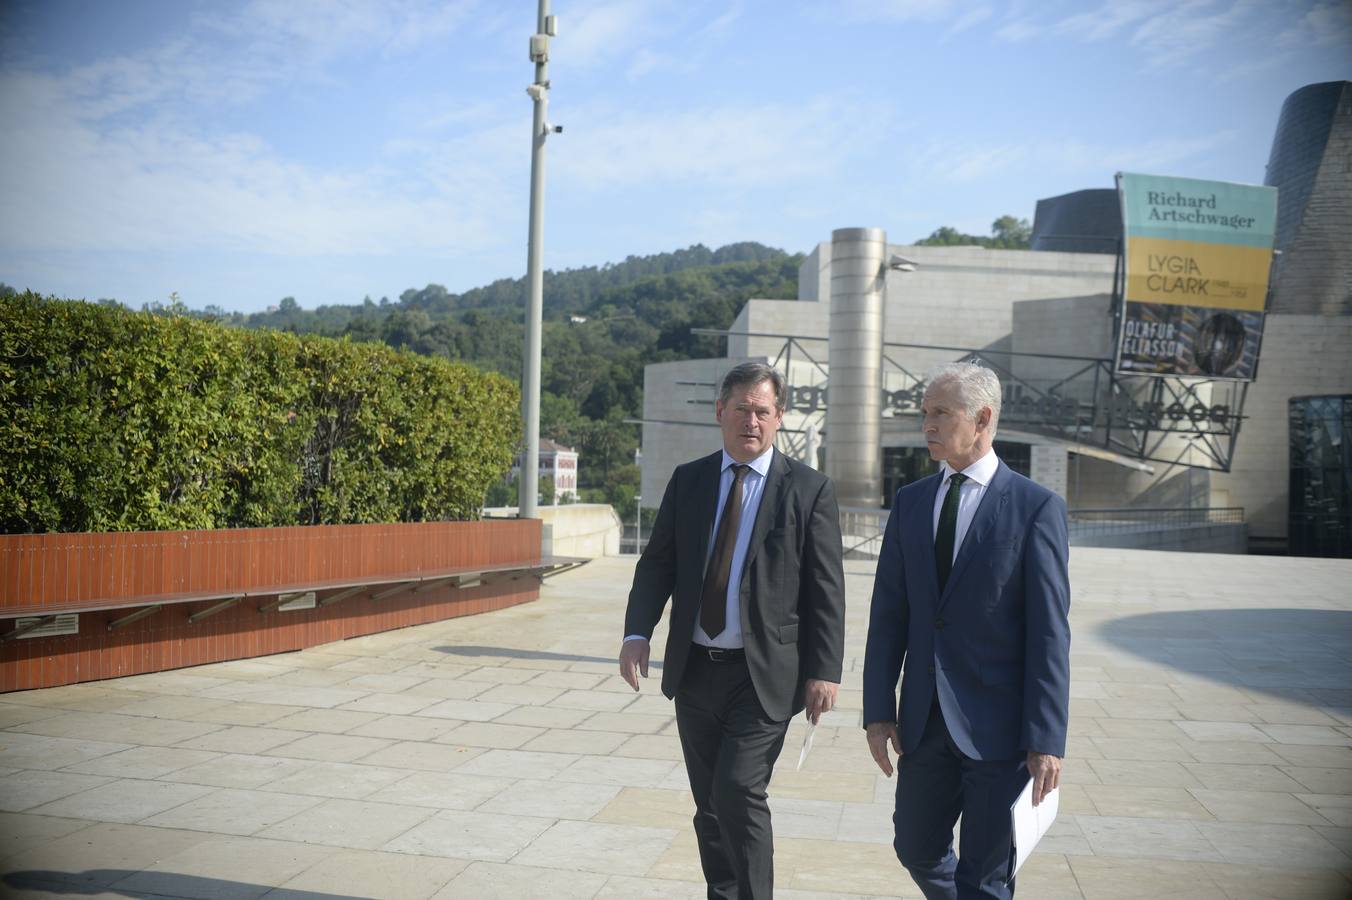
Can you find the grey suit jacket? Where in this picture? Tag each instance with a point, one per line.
(792, 587)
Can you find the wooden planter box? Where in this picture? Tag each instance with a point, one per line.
(148, 601)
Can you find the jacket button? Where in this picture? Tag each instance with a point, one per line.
(931, 670)
(939, 623)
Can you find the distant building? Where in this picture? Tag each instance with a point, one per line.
(559, 463)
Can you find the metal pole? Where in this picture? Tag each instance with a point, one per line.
(638, 524)
(528, 488)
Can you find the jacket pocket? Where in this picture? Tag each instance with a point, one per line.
(788, 634)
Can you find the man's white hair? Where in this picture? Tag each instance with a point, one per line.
(976, 386)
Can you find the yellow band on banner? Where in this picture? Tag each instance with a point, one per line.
(1187, 273)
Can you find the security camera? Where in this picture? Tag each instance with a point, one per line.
(536, 91)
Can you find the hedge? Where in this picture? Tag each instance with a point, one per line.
(113, 420)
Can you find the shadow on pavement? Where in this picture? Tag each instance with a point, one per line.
(472, 650)
(149, 885)
(1293, 654)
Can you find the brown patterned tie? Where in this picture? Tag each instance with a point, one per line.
(714, 600)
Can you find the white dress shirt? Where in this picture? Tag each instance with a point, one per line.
(979, 474)
(753, 487)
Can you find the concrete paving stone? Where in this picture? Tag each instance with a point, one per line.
(1225, 777)
(1337, 808)
(446, 689)
(1123, 685)
(19, 750)
(341, 780)
(852, 758)
(606, 667)
(93, 855)
(544, 717)
(809, 785)
(795, 818)
(597, 847)
(328, 721)
(1142, 773)
(1338, 837)
(866, 823)
(594, 700)
(1308, 735)
(1209, 693)
(1307, 756)
(680, 862)
(470, 835)
(519, 764)
(22, 832)
(1076, 770)
(500, 675)
(371, 873)
(142, 762)
(567, 680)
(520, 694)
(442, 790)
(383, 684)
(1291, 714)
(283, 694)
(535, 664)
(1075, 800)
(1240, 882)
(237, 770)
(1088, 690)
(125, 800)
(1217, 712)
(1106, 878)
(490, 734)
(170, 707)
(613, 683)
(651, 704)
(355, 824)
(1232, 752)
(24, 790)
(565, 740)
(243, 739)
(1221, 731)
(627, 887)
(466, 710)
(233, 811)
(1139, 709)
(1146, 837)
(225, 868)
(1321, 780)
(1257, 806)
(428, 757)
(405, 728)
(839, 866)
(1141, 749)
(330, 747)
(243, 713)
(555, 799)
(504, 881)
(630, 723)
(12, 714)
(438, 669)
(618, 771)
(1047, 876)
(118, 728)
(1274, 845)
(308, 678)
(388, 704)
(654, 807)
(78, 696)
(1134, 801)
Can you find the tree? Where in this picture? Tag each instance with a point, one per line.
(1007, 233)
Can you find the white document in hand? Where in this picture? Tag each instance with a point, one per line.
(807, 744)
(1030, 822)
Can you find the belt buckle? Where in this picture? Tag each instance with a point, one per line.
(717, 654)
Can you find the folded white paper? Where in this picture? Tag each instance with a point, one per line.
(1030, 822)
(807, 744)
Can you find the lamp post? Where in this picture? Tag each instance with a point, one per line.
(638, 524)
(538, 90)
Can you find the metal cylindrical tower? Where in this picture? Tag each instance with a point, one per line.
(854, 408)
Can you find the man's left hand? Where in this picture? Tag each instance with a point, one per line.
(820, 697)
(1046, 772)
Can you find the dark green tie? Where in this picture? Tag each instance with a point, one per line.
(948, 527)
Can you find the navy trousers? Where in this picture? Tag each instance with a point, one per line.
(935, 784)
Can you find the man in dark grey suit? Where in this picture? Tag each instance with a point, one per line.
(972, 593)
(747, 546)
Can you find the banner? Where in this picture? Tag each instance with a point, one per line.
(1197, 256)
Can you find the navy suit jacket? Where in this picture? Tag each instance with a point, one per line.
(995, 645)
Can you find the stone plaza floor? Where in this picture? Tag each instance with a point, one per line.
(501, 755)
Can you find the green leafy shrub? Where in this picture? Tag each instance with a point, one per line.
(112, 420)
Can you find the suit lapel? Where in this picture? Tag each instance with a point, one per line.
(992, 503)
(708, 505)
(777, 483)
(919, 524)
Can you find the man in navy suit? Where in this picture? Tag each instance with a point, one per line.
(972, 594)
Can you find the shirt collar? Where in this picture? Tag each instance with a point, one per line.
(981, 471)
(760, 465)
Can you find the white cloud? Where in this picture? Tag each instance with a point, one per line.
(1326, 24)
(893, 10)
(953, 163)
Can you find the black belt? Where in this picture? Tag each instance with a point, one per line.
(719, 654)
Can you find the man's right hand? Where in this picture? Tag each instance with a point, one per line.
(879, 735)
(634, 660)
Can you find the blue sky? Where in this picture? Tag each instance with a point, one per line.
(236, 153)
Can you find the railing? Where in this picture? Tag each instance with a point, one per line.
(861, 530)
(1089, 522)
